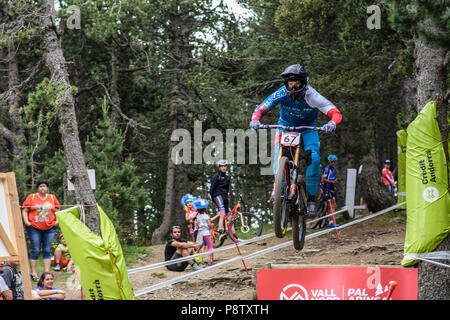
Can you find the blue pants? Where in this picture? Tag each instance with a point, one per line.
(311, 142)
(38, 239)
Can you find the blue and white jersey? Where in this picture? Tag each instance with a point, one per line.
(328, 173)
(303, 112)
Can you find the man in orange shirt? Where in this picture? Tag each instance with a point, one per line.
(387, 177)
(38, 213)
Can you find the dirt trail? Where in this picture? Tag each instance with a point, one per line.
(378, 241)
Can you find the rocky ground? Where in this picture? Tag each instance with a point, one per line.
(375, 242)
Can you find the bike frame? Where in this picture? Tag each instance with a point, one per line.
(296, 157)
(229, 216)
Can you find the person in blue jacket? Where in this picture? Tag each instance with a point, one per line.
(299, 106)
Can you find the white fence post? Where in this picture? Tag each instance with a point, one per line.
(350, 191)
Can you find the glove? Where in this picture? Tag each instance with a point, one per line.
(255, 124)
(329, 127)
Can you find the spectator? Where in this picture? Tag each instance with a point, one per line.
(13, 280)
(203, 224)
(5, 291)
(38, 212)
(329, 181)
(45, 289)
(387, 177)
(62, 259)
(177, 247)
(190, 213)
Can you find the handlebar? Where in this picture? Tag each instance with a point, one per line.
(276, 126)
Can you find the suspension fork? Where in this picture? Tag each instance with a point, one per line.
(295, 172)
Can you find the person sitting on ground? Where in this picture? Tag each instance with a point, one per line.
(45, 289)
(62, 259)
(177, 247)
(203, 223)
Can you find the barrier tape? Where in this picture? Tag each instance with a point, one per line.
(191, 257)
(252, 255)
(244, 242)
(430, 256)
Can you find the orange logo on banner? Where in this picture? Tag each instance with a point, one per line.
(341, 283)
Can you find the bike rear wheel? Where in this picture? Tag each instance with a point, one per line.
(217, 240)
(322, 210)
(280, 205)
(247, 227)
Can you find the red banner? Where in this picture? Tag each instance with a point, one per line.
(340, 283)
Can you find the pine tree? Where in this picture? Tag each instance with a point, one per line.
(119, 190)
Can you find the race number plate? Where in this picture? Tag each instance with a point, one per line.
(290, 139)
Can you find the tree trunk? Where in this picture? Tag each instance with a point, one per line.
(114, 78)
(15, 134)
(431, 77)
(68, 126)
(375, 193)
(170, 202)
(431, 68)
(176, 185)
(409, 93)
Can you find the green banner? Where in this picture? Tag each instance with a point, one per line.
(101, 264)
(401, 168)
(428, 200)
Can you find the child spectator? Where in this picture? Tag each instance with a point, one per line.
(190, 213)
(329, 181)
(45, 289)
(62, 259)
(203, 223)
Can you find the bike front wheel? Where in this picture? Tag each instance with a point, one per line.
(280, 205)
(246, 226)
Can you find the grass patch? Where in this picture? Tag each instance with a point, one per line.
(133, 253)
(389, 217)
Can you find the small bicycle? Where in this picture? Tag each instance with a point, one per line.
(290, 197)
(238, 225)
(322, 211)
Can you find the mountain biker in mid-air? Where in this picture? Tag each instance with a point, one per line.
(299, 106)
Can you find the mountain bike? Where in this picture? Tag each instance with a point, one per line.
(290, 196)
(322, 211)
(239, 224)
